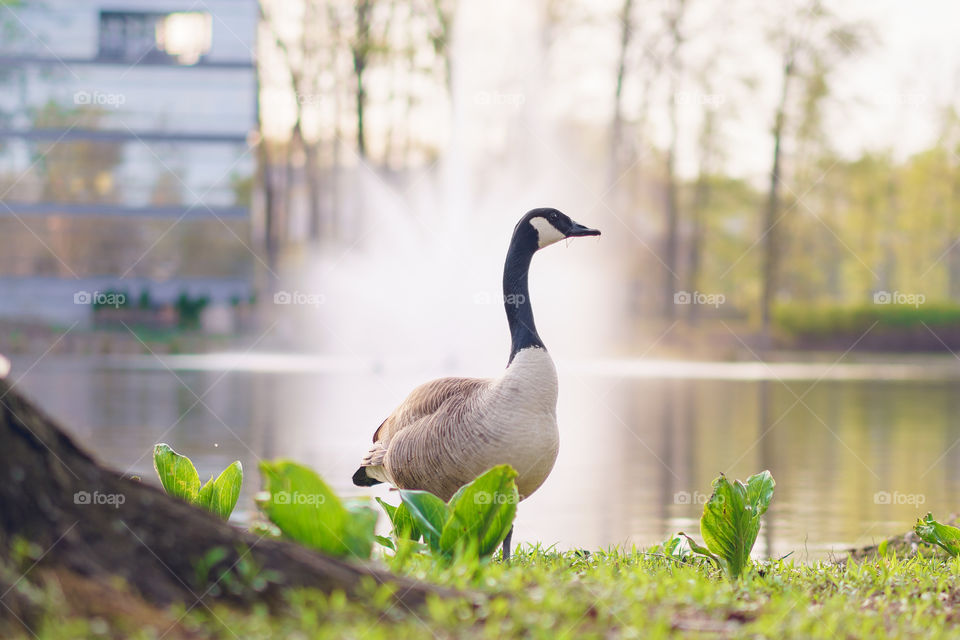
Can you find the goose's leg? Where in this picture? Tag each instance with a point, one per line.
(506, 545)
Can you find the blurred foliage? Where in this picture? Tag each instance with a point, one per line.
(189, 309)
(242, 187)
(868, 225)
(821, 320)
(76, 170)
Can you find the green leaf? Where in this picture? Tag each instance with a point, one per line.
(760, 491)
(429, 512)
(383, 541)
(403, 523)
(695, 547)
(482, 512)
(406, 525)
(389, 508)
(882, 548)
(673, 547)
(731, 519)
(220, 495)
(307, 510)
(942, 535)
(359, 530)
(177, 474)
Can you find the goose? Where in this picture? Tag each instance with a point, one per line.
(449, 431)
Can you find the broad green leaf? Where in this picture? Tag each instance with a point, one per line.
(220, 495)
(760, 491)
(205, 494)
(482, 511)
(942, 535)
(389, 508)
(403, 523)
(305, 509)
(359, 531)
(177, 474)
(731, 519)
(429, 512)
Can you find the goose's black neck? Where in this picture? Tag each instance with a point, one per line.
(516, 293)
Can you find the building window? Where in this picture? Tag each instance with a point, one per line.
(164, 38)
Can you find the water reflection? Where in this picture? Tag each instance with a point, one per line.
(855, 459)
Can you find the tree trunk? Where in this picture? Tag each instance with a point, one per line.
(616, 124)
(361, 52)
(672, 206)
(90, 523)
(314, 177)
(771, 244)
(701, 196)
(701, 199)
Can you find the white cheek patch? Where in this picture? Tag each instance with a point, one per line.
(546, 232)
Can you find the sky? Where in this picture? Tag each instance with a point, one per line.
(914, 68)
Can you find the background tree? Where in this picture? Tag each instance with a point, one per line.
(811, 41)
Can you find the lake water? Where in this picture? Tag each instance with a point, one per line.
(859, 451)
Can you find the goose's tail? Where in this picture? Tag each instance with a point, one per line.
(361, 479)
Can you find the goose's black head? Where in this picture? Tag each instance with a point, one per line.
(539, 228)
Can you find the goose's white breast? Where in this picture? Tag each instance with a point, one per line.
(523, 411)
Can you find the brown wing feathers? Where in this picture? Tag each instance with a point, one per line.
(449, 394)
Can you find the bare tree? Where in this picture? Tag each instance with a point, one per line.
(302, 56)
(441, 37)
(810, 43)
(616, 124)
(770, 233)
(707, 144)
(671, 204)
(361, 48)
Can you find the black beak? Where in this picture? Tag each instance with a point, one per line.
(578, 230)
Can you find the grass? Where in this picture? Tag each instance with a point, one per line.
(622, 594)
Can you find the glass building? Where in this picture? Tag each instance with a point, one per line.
(124, 144)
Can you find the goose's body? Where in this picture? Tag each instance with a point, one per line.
(449, 431)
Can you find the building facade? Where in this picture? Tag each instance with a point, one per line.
(125, 145)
